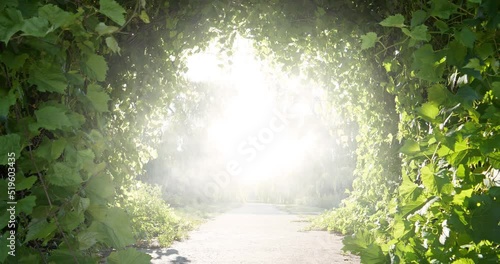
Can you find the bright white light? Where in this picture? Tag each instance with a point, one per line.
(251, 110)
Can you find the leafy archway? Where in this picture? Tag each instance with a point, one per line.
(85, 83)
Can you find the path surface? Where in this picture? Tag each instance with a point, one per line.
(255, 233)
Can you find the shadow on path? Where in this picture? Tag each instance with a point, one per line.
(166, 254)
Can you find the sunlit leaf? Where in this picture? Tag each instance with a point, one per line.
(410, 147)
(393, 21)
(63, 175)
(368, 40)
(112, 45)
(144, 17)
(103, 29)
(428, 111)
(98, 97)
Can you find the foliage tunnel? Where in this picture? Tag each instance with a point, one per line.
(84, 83)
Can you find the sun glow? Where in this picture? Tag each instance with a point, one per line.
(256, 130)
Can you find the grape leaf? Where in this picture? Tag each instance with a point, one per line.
(63, 175)
(113, 10)
(113, 228)
(103, 29)
(112, 44)
(35, 26)
(96, 67)
(410, 147)
(145, 18)
(56, 16)
(26, 204)
(100, 189)
(368, 40)
(10, 143)
(11, 21)
(23, 183)
(6, 101)
(467, 37)
(429, 111)
(39, 229)
(393, 21)
(86, 239)
(417, 33)
(48, 78)
(51, 118)
(442, 8)
(71, 220)
(418, 17)
(128, 256)
(98, 97)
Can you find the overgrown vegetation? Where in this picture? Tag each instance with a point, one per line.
(80, 104)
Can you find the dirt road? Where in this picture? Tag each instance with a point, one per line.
(255, 233)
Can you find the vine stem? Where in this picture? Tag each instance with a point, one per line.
(393, 45)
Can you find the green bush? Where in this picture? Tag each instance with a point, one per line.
(152, 217)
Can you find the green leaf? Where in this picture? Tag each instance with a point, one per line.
(25, 183)
(429, 111)
(6, 101)
(26, 204)
(474, 64)
(456, 53)
(495, 89)
(441, 25)
(368, 40)
(86, 239)
(112, 44)
(63, 175)
(48, 78)
(128, 256)
(463, 260)
(39, 229)
(103, 29)
(100, 189)
(57, 148)
(10, 143)
(438, 94)
(442, 8)
(428, 178)
(98, 97)
(145, 18)
(96, 67)
(418, 33)
(51, 118)
(113, 10)
(418, 17)
(467, 37)
(494, 159)
(11, 21)
(393, 21)
(114, 228)
(56, 16)
(35, 26)
(410, 147)
(71, 220)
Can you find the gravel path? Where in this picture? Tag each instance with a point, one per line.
(255, 233)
